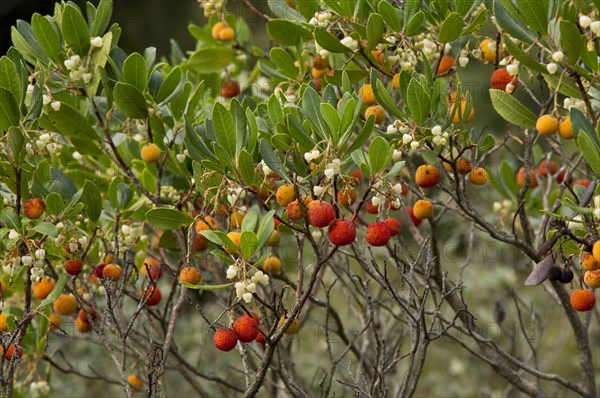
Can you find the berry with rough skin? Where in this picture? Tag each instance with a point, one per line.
(10, 352)
(459, 109)
(501, 78)
(152, 295)
(532, 180)
(547, 168)
(317, 74)
(42, 289)
(546, 125)
(478, 176)
(260, 337)
(561, 176)
(65, 304)
(225, 339)
(294, 211)
(190, 275)
(34, 208)
(379, 56)
(321, 215)
(376, 110)
(583, 300)
(54, 322)
(488, 50)
(342, 232)
(235, 237)
(378, 234)
(346, 197)
(150, 153)
(423, 209)
(293, 327)
(200, 243)
(320, 63)
(463, 166)
(427, 176)
(394, 226)
(135, 383)
(582, 182)
(230, 89)
(206, 224)
(371, 208)
(111, 272)
(565, 128)
(410, 210)
(566, 276)
(285, 195)
(274, 239)
(596, 250)
(272, 265)
(592, 278)
(445, 63)
(589, 263)
(554, 273)
(246, 328)
(368, 95)
(73, 266)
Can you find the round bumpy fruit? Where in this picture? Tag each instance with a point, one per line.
(150, 153)
(501, 78)
(458, 110)
(547, 168)
(342, 232)
(589, 263)
(427, 176)
(293, 327)
(294, 211)
(111, 272)
(235, 237)
(230, 89)
(546, 125)
(272, 265)
(463, 166)
(592, 278)
(583, 300)
(478, 176)
(582, 182)
(446, 62)
(246, 328)
(488, 50)
(190, 275)
(152, 267)
(346, 197)
(377, 111)
(206, 224)
(378, 234)
(34, 208)
(378, 55)
(135, 383)
(200, 243)
(81, 326)
(73, 266)
(84, 316)
(565, 128)
(368, 95)
(152, 295)
(11, 351)
(274, 239)
(42, 289)
(320, 63)
(394, 226)
(285, 195)
(65, 304)
(318, 73)
(596, 250)
(532, 180)
(423, 209)
(236, 219)
(321, 215)
(225, 339)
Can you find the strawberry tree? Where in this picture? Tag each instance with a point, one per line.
(304, 202)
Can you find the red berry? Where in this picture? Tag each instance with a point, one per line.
(378, 234)
(500, 79)
(411, 214)
(98, 270)
(246, 328)
(153, 297)
(74, 266)
(583, 299)
(225, 339)
(10, 351)
(371, 208)
(342, 232)
(394, 226)
(321, 215)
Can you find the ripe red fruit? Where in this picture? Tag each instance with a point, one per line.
(342, 232)
(427, 176)
(153, 297)
(411, 214)
(10, 351)
(246, 328)
(230, 89)
(500, 79)
(561, 176)
(547, 168)
(321, 215)
(378, 234)
(371, 208)
(261, 337)
(225, 339)
(584, 183)
(98, 270)
(583, 299)
(394, 226)
(34, 208)
(74, 266)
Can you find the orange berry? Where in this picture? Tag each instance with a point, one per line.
(293, 327)
(488, 50)
(10, 351)
(427, 176)
(396, 81)
(533, 182)
(321, 215)
(377, 111)
(320, 63)
(274, 238)
(227, 34)
(153, 266)
(150, 153)
(73, 266)
(217, 28)
(446, 62)
(42, 289)
(546, 125)
(423, 209)
(596, 250)
(3, 323)
(478, 176)
(54, 322)
(342, 232)
(458, 113)
(583, 300)
(379, 56)
(272, 265)
(411, 214)
(207, 223)
(236, 219)
(378, 234)
(501, 78)
(230, 89)
(346, 197)
(135, 383)
(285, 195)
(318, 74)
(246, 328)
(111, 272)
(368, 95)
(190, 275)
(592, 278)
(151, 295)
(225, 339)
(589, 263)
(371, 208)
(34, 208)
(294, 210)
(200, 243)
(81, 326)
(546, 168)
(235, 237)
(565, 128)
(65, 304)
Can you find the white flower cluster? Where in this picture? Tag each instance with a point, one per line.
(245, 288)
(212, 7)
(36, 262)
(396, 127)
(76, 69)
(39, 388)
(439, 137)
(587, 22)
(579, 104)
(321, 18)
(130, 234)
(235, 194)
(333, 168)
(463, 60)
(312, 155)
(44, 142)
(349, 42)
(504, 208)
(169, 192)
(409, 139)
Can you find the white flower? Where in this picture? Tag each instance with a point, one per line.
(251, 287)
(265, 279)
(397, 189)
(231, 272)
(76, 59)
(138, 137)
(266, 169)
(87, 77)
(77, 156)
(558, 56)
(436, 140)
(350, 43)
(55, 105)
(597, 213)
(247, 297)
(447, 48)
(40, 254)
(397, 155)
(27, 260)
(552, 68)
(403, 128)
(414, 145)
(580, 104)
(567, 103)
(30, 88)
(443, 141)
(436, 130)
(509, 88)
(497, 206)
(513, 69)
(12, 234)
(396, 203)
(52, 147)
(318, 190)
(585, 21)
(595, 27)
(313, 21)
(391, 129)
(84, 240)
(376, 200)
(69, 64)
(407, 138)
(309, 156)
(180, 157)
(597, 201)
(96, 42)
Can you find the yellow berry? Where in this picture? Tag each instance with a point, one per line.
(377, 111)
(150, 153)
(546, 125)
(272, 265)
(285, 195)
(368, 95)
(565, 128)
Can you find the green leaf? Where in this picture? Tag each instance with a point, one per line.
(16, 142)
(10, 219)
(250, 221)
(135, 71)
(102, 19)
(287, 32)
(522, 57)
(67, 121)
(9, 78)
(47, 38)
(390, 16)
(207, 287)
(169, 85)
(92, 200)
(282, 10)
(246, 167)
(378, 153)
(75, 30)
(363, 136)
(99, 58)
(375, 30)
(510, 22)
(210, 59)
(265, 228)
(54, 204)
(130, 101)
(570, 40)
(384, 98)
(9, 110)
(329, 42)
(331, 117)
(396, 168)
(168, 218)
(429, 156)
(563, 84)
(418, 101)
(534, 14)
(284, 62)
(248, 244)
(271, 159)
(414, 24)
(219, 238)
(55, 293)
(451, 28)
(511, 109)
(224, 129)
(311, 108)
(46, 228)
